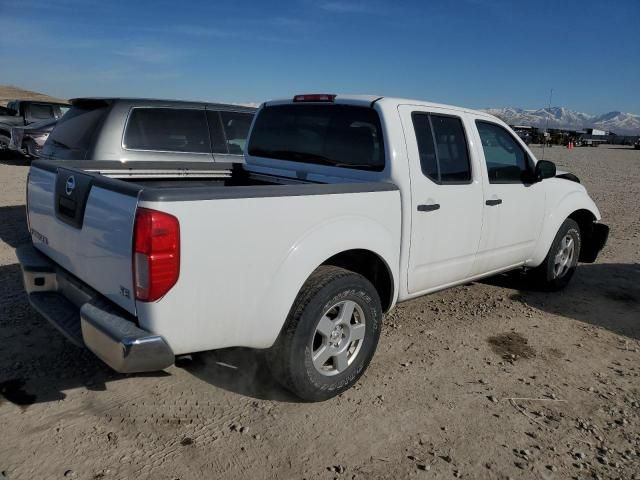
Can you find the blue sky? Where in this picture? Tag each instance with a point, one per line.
(476, 53)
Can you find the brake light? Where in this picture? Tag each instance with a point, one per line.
(156, 256)
(315, 97)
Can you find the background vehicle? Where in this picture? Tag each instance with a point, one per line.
(131, 130)
(345, 206)
(29, 140)
(24, 112)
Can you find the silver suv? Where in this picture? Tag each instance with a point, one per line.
(149, 130)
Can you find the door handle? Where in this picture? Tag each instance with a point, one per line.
(428, 208)
(492, 203)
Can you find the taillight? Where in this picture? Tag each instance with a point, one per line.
(315, 97)
(156, 254)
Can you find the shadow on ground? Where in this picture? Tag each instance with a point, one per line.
(605, 295)
(14, 160)
(238, 370)
(37, 364)
(13, 225)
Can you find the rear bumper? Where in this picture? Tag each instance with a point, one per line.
(89, 320)
(593, 242)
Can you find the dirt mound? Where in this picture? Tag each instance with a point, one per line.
(9, 92)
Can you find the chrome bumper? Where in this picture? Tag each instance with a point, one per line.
(87, 319)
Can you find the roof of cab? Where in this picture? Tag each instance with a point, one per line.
(157, 102)
(369, 100)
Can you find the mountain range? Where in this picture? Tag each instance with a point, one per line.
(558, 117)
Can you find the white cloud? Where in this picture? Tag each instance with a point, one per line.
(350, 6)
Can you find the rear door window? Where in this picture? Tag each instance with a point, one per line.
(442, 145)
(167, 130)
(334, 135)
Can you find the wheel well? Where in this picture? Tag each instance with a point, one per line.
(370, 266)
(584, 219)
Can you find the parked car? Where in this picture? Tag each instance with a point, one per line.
(19, 113)
(346, 205)
(131, 130)
(29, 140)
(637, 145)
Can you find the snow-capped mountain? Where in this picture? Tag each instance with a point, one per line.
(558, 117)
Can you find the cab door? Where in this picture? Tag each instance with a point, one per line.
(514, 205)
(446, 198)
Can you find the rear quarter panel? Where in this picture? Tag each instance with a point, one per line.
(244, 260)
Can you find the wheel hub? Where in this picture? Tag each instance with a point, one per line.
(564, 258)
(337, 335)
(338, 338)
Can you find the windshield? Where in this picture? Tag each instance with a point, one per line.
(334, 135)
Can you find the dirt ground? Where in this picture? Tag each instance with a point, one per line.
(487, 380)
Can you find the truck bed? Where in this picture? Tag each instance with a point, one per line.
(236, 235)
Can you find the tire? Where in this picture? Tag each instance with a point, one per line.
(556, 271)
(319, 324)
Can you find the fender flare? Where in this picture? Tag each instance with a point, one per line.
(556, 215)
(312, 250)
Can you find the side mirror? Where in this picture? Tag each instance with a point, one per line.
(544, 169)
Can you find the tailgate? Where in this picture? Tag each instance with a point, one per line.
(85, 224)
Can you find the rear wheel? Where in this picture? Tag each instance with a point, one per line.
(560, 264)
(330, 335)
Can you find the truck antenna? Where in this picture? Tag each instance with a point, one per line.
(546, 127)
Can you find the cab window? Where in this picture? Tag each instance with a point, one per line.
(506, 160)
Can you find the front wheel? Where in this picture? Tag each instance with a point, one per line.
(555, 272)
(330, 335)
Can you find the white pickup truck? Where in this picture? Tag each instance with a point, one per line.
(346, 205)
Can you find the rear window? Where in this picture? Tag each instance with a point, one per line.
(75, 129)
(335, 135)
(167, 130)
